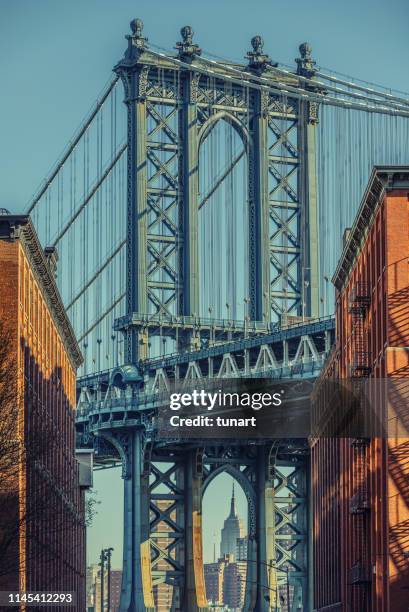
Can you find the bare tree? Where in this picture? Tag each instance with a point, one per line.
(9, 448)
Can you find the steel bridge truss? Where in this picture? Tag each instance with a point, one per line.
(163, 490)
(164, 481)
(174, 102)
(172, 108)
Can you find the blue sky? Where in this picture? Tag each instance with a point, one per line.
(57, 55)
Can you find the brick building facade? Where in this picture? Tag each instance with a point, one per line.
(214, 575)
(45, 496)
(361, 485)
(225, 582)
(94, 589)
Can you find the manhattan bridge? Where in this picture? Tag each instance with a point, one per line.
(198, 214)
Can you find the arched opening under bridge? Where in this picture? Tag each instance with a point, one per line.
(225, 536)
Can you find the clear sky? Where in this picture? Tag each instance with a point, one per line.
(56, 55)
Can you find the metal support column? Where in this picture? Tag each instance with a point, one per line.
(136, 277)
(137, 217)
(310, 273)
(310, 553)
(267, 599)
(314, 286)
(190, 164)
(195, 592)
(136, 594)
(308, 180)
(259, 210)
(251, 576)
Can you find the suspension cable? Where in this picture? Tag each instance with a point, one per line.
(73, 143)
(245, 79)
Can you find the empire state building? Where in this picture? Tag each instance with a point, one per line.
(231, 532)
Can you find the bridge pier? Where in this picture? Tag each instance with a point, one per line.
(136, 593)
(267, 590)
(194, 598)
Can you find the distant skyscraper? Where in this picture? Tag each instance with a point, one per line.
(94, 588)
(241, 548)
(92, 579)
(214, 573)
(225, 583)
(234, 585)
(231, 532)
(226, 579)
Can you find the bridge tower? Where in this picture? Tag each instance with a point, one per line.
(174, 102)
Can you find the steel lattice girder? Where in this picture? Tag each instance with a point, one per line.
(162, 153)
(285, 213)
(180, 109)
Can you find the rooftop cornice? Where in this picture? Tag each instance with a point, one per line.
(383, 179)
(20, 227)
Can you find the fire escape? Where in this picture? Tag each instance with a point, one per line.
(359, 506)
(359, 301)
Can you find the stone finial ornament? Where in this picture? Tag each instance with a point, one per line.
(305, 50)
(137, 37)
(187, 48)
(137, 27)
(258, 60)
(257, 43)
(187, 35)
(306, 66)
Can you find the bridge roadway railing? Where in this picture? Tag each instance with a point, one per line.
(131, 398)
(169, 324)
(119, 397)
(278, 333)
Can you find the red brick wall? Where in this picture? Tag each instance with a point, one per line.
(52, 540)
(396, 358)
(379, 537)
